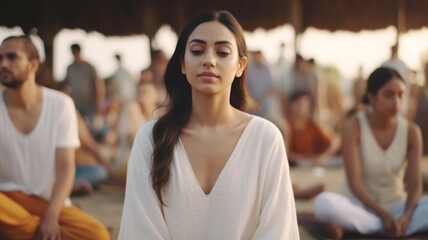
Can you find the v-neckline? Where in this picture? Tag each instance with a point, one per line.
(15, 129)
(228, 161)
(383, 150)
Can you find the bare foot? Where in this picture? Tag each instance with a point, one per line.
(82, 187)
(333, 231)
(309, 192)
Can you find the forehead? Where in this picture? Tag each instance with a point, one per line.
(12, 46)
(212, 32)
(394, 84)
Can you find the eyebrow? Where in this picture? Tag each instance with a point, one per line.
(204, 42)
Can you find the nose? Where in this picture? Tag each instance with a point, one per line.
(2, 62)
(396, 102)
(209, 60)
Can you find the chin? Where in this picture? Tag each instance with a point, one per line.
(394, 112)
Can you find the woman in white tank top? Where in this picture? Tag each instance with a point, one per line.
(382, 152)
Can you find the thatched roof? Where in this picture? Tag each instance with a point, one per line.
(126, 17)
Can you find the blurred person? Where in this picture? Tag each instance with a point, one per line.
(37, 143)
(88, 91)
(157, 68)
(398, 65)
(382, 154)
(206, 169)
(305, 77)
(133, 116)
(329, 110)
(259, 78)
(358, 90)
(264, 101)
(156, 72)
(92, 169)
(284, 82)
(123, 84)
(307, 142)
(421, 117)
(146, 75)
(282, 69)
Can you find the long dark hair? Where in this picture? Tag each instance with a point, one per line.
(377, 79)
(168, 128)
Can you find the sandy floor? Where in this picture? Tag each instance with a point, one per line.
(106, 203)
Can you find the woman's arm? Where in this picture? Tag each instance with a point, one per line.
(142, 212)
(333, 146)
(352, 164)
(413, 179)
(278, 212)
(89, 143)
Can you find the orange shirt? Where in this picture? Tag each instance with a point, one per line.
(309, 141)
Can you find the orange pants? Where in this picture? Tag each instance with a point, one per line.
(20, 216)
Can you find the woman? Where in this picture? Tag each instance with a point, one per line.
(382, 156)
(207, 170)
(134, 114)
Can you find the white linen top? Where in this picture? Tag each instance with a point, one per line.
(382, 170)
(27, 161)
(251, 199)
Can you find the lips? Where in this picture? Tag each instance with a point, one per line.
(208, 74)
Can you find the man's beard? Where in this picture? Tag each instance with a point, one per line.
(14, 83)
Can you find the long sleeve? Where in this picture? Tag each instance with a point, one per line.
(142, 213)
(278, 212)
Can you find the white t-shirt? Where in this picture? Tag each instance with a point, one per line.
(251, 199)
(27, 161)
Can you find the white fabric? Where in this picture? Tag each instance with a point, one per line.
(27, 161)
(399, 66)
(350, 214)
(382, 170)
(252, 198)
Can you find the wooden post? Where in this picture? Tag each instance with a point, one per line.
(401, 19)
(296, 12)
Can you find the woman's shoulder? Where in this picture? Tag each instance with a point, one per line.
(146, 130)
(353, 122)
(262, 128)
(414, 131)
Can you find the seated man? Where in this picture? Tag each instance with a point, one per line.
(307, 142)
(37, 144)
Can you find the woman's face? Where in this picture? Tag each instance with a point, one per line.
(211, 60)
(389, 97)
(301, 107)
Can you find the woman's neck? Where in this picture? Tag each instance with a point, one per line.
(378, 120)
(210, 110)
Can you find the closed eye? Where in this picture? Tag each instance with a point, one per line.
(223, 54)
(197, 52)
(11, 56)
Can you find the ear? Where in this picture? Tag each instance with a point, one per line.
(183, 68)
(371, 97)
(242, 64)
(34, 65)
